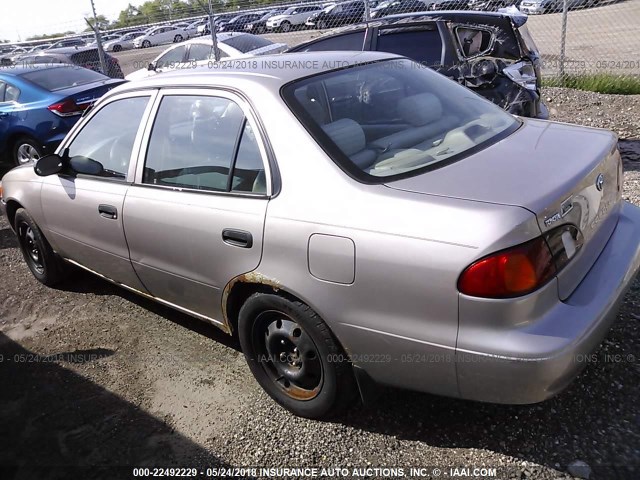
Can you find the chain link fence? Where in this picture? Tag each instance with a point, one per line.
(574, 37)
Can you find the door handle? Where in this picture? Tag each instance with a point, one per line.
(237, 238)
(108, 211)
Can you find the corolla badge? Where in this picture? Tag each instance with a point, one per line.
(600, 182)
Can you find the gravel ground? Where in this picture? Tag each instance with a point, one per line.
(91, 375)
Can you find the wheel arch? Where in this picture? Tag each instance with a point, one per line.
(12, 207)
(238, 290)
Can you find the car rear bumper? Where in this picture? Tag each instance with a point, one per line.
(536, 360)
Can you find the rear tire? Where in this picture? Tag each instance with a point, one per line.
(25, 150)
(285, 27)
(261, 30)
(294, 356)
(45, 265)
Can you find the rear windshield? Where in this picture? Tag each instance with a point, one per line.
(246, 43)
(393, 119)
(53, 79)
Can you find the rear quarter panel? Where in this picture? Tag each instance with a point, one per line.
(409, 251)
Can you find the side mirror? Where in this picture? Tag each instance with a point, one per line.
(49, 165)
(151, 67)
(85, 165)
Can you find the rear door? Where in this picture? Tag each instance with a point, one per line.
(195, 216)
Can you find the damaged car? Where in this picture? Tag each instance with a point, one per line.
(492, 53)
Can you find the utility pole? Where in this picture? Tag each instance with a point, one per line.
(563, 40)
(96, 31)
(214, 40)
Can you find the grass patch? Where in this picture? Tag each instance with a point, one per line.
(599, 82)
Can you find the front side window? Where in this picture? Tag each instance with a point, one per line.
(395, 118)
(11, 93)
(203, 143)
(109, 135)
(173, 56)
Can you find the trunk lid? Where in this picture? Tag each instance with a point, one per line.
(562, 173)
(84, 95)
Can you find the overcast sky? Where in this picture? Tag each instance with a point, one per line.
(24, 18)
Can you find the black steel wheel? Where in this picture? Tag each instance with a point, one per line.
(294, 356)
(44, 264)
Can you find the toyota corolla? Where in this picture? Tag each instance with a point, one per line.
(354, 219)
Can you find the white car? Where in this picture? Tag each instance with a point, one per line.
(105, 37)
(190, 27)
(292, 17)
(160, 35)
(124, 42)
(199, 51)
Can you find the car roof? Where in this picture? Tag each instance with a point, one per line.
(221, 37)
(431, 16)
(272, 70)
(66, 50)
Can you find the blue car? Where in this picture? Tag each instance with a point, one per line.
(40, 103)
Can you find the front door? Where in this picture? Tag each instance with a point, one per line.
(83, 213)
(195, 216)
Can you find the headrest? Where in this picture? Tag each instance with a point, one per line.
(347, 135)
(421, 109)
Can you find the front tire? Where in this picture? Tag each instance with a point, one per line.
(45, 265)
(146, 44)
(177, 39)
(294, 356)
(321, 25)
(26, 150)
(117, 48)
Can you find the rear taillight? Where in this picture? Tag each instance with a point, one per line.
(523, 73)
(521, 269)
(67, 108)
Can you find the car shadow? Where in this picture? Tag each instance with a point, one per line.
(58, 424)
(630, 153)
(84, 282)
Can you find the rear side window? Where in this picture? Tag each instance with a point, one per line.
(349, 41)
(246, 43)
(421, 44)
(200, 51)
(86, 56)
(473, 41)
(53, 79)
(197, 141)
